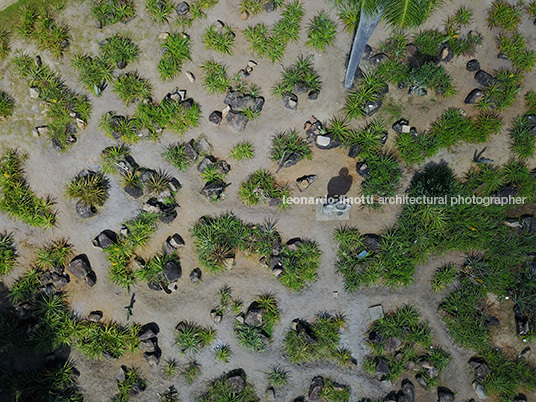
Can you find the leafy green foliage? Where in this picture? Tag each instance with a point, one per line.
(385, 175)
(300, 265)
(176, 50)
(41, 27)
(515, 48)
(261, 186)
(504, 15)
(8, 253)
(130, 88)
(215, 77)
(288, 143)
(318, 340)
(222, 391)
(159, 10)
(321, 32)
(94, 73)
(120, 50)
(272, 43)
(254, 7)
(170, 114)
(5, 47)
(198, 9)
(60, 101)
(17, 198)
(7, 105)
(369, 139)
(444, 277)
(300, 77)
(278, 376)
(91, 189)
(192, 337)
(223, 353)
(242, 151)
(368, 90)
(411, 339)
(175, 154)
(501, 94)
(221, 40)
(191, 371)
(108, 12)
(132, 380)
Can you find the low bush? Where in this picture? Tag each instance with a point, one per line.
(221, 40)
(120, 50)
(177, 51)
(318, 340)
(175, 154)
(40, 26)
(108, 12)
(321, 32)
(215, 77)
(300, 77)
(17, 199)
(261, 186)
(222, 390)
(255, 337)
(242, 151)
(502, 92)
(385, 175)
(444, 277)
(7, 105)
(132, 382)
(504, 15)
(5, 47)
(198, 9)
(159, 10)
(289, 145)
(130, 88)
(94, 73)
(192, 337)
(8, 253)
(300, 265)
(254, 7)
(90, 189)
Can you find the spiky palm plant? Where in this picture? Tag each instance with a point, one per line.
(243, 150)
(175, 154)
(5, 47)
(159, 10)
(176, 50)
(7, 105)
(221, 40)
(321, 32)
(91, 189)
(215, 77)
(120, 50)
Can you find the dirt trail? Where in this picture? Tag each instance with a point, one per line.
(48, 172)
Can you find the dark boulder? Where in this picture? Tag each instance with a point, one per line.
(483, 78)
(196, 275)
(354, 151)
(172, 270)
(472, 65)
(290, 101)
(105, 239)
(215, 117)
(81, 269)
(237, 121)
(133, 191)
(182, 8)
(214, 191)
(85, 211)
(372, 107)
(473, 96)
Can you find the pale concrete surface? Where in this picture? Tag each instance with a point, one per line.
(6, 3)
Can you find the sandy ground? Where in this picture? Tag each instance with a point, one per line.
(48, 172)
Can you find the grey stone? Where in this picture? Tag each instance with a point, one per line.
(215, 117)
(172, 270)
(203, 146)
(445, 395)
(152, 358)
(133, 191)
(472, 65)
(480, 391)
(375, 312)
(85, 211)
(205, 163)
(290, 101)
(382, 367)
(190, 152)
(237, 383)
(214, 191)
(269, 6)
(408, 389)
(315, 390)
(81, 268)
(372, 107)
(237, 121)
(182, 8)
(95, 316)
(483, 78)
(195, 276)
(105, 239)
(473, 96)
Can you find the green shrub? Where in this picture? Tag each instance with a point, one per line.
(272, 43)
(256, 337)
(502, 93)
(17, 198)
(7, 105)
(318, 340)
(120, 50)
(242, 151)
(278, 376)
(192, 337)
(220, 40)
(220, 390)
(300, 265)
(261, 186)
(215, 77)
(169, 114)
(198, 9)
(5, 47)
(334, 392)
(175, 154)
(94, 73)
(159, 10)
(191, 371)
(108, 12)
(321, 32)
(8, 253)
(41, 27)
(90, 189)
(369, 139)
(300, 77)
(514, 48)
(130, 88)
(177, 51)
(61, 102)
(444, 277)
(288, 143)
(504, 15)
(223, 353)
(131, 381)
(385, 175)
(368, 90)
(522, 139)
(254, 7)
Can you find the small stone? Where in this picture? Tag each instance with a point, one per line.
(269, 6)
(163, 36)
(277, 272)
(195, 276)
(323, 140)
(225, 111)
(244, 15)
(95, 316)
(375, 312)
(291, 101)
(406, 128)
(81, 124)
(472, 65)
(182, 8)
(34, 93)
(215, 117)
(270, 394)
(480, 391)
(313, 95)
(252, 63)
(152, 358)
(190, 76)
